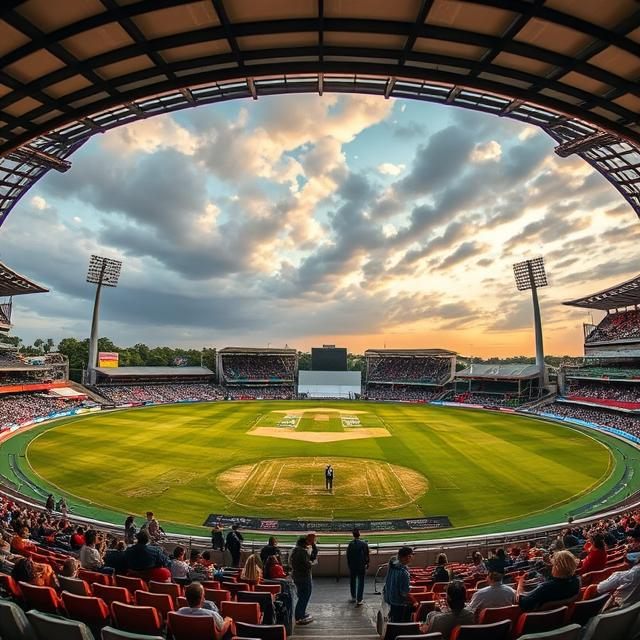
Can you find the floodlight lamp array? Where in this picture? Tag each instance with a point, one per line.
(530, 273)
(105, 271)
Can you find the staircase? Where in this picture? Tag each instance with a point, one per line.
(335, 618)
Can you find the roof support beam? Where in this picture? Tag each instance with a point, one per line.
(391, 82)
(252, 88)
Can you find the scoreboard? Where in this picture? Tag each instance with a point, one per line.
(328, 358)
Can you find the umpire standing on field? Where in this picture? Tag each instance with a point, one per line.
(358, 561)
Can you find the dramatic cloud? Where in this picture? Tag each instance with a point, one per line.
(300, 219)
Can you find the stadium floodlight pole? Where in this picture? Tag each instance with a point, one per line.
(102, 272)
(531, 274)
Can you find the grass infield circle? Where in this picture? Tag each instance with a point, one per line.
(486, 471)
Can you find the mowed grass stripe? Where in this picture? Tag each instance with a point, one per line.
(480, 466)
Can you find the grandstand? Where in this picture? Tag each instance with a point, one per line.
(248, 373)
(497, 385)
(408, 374)
(13, 284)
(606, 387)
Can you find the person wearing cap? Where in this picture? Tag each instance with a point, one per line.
(358, 561)
(624, 585)
(495, 595)
(396, 586)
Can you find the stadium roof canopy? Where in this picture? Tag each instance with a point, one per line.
(625, 294)
(409, 353)
(71, 69)
(499, 371)
(265, 351)
(13, 284)
(121, 372)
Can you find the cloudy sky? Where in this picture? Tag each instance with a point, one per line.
(307, 220)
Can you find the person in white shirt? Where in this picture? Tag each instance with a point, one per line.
(179, 567)
(198, 606)
(625, 585)
(495, 595)
(90, 558)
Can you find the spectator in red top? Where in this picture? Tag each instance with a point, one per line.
(274, 570)
(597, 557)
(77, 539)
(21, 544)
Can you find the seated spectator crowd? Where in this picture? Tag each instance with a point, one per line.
(264, 392)
(617, 326)
(427, 369)
(161, 393)
(24, 407)
(606, 417)
(522, 589)
(605, 391)
(258, 367)
(488, 399)
(402, 392)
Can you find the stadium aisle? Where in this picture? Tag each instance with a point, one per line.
(335, 618)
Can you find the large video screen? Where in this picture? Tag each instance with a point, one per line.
(328, 359)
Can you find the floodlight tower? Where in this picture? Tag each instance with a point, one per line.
(102, 272)
(531, 274)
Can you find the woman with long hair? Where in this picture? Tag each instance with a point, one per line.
(251, 572)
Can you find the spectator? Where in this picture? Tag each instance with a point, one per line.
(217, 541)
(234, 544)
(495, 595)
(562, 585)
(441, 573)
(624, 585)
(90, 557)
(270, 549)
(301, 562)
(50, 504)
(20, 542)
(114, 557)
(597, 554)
(479, 568)
(152, 527)
(358, 562)
(274, 570)
(70, 568)
(198, 606)
(77, 539)
(179, 566)
(396, 587)
(130, 530)
(35, 573)
(146, 561)
(446, 621)
(251, 572)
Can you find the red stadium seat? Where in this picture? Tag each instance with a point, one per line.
(590, 592)
(423, 597)
(497, 614)
(10, 587)
(274, 589)
(423, 609)
(440, 587)
(217, 595)
(112, 594)
(184, 627)
(90, 610)
(94, 576)
(594, 577)
(241, 611)
(170, 588)
(182, 602)
(43, 599)
(581, 612)
(136, 619)
(395, 629)
(210, 584)
(131, 584)
(161, 601)
(234, 587)
(74, 585)
(261, 631)
(539, 621)
(496, 631)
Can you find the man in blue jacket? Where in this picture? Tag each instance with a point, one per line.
(396, 586)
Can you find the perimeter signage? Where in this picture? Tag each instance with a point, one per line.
(264, 524)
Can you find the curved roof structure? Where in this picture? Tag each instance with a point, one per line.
(13, 284)
(71, 69)
(625, 294)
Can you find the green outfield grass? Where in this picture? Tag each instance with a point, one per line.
(484, 470)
